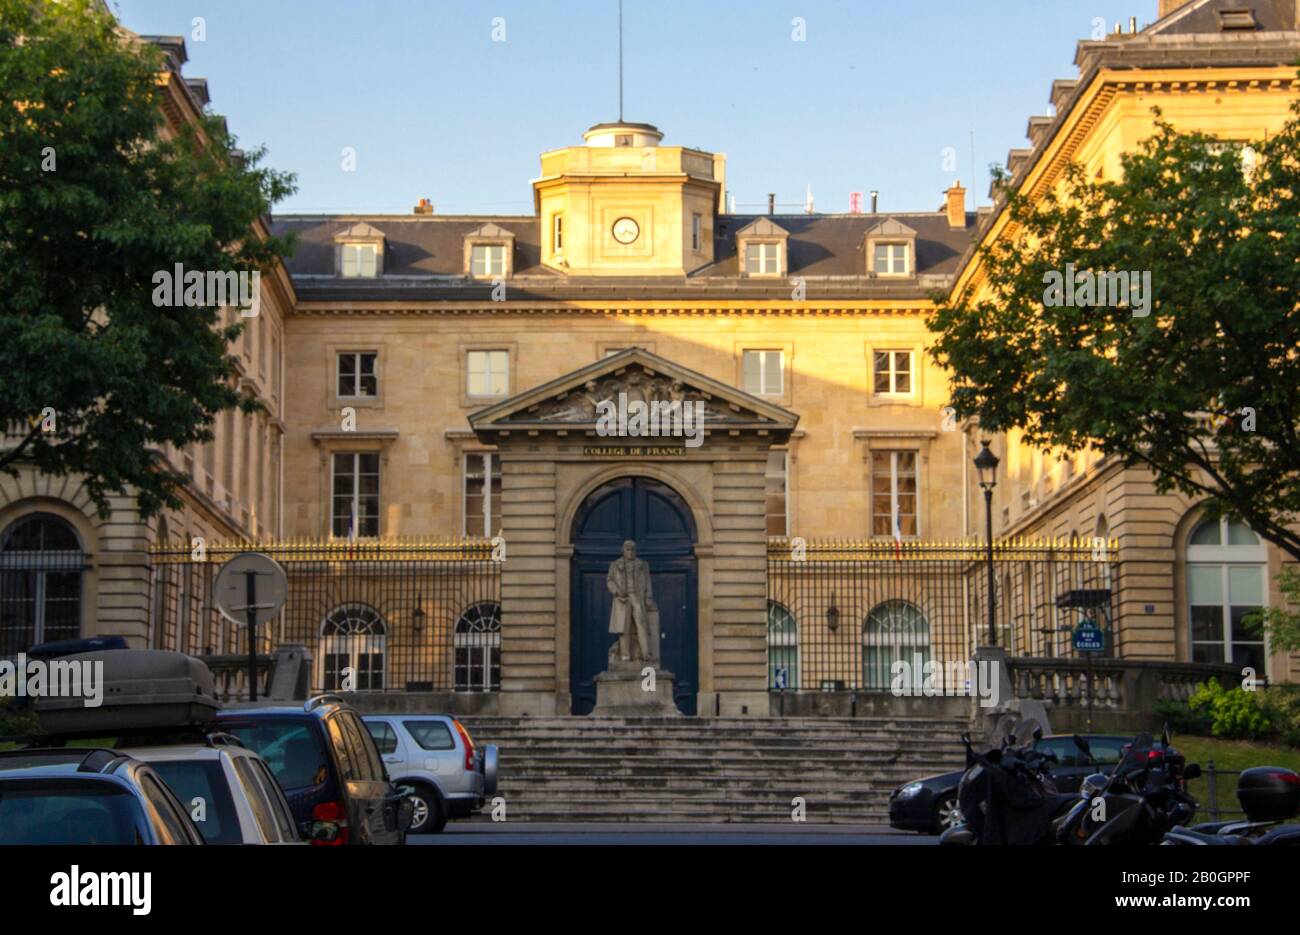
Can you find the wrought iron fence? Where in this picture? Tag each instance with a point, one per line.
(388, 615)
(842, 614)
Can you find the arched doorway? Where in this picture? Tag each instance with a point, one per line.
(658, 520)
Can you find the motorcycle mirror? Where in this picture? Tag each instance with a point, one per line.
(1192, 771)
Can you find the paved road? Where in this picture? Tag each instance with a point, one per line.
(484, 832)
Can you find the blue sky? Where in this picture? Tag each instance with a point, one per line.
(435, 108)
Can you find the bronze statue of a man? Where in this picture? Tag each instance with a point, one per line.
(629, 581)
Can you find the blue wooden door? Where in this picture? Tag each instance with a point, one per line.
(653, 516)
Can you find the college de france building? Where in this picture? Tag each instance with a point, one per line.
(432, 472)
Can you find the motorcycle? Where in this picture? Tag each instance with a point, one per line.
(1143, 798)
(1007, 795)
(1269, 795)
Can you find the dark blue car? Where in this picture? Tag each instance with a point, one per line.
(326, 762)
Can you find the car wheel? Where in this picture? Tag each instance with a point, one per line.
(429, 817)
(947, 814)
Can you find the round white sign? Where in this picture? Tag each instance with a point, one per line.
(230, 590)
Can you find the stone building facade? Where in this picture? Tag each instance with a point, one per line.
(432, 376)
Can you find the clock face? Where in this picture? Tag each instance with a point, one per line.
(626, 230)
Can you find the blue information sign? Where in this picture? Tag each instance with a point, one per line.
(1088, 637)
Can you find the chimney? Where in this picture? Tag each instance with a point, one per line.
(955, 205)
(771, 202)
(1168, 6)
(424, 207)
(875, 200)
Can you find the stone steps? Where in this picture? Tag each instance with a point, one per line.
(712, 769)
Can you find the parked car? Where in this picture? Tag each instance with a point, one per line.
(329, 769)
(64, 795)
(930, 804)
(229, 791)
(434, 756)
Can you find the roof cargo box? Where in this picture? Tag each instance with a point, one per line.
(141, 688)
(1269, 793)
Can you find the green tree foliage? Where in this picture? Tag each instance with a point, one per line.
(1204, 389)
(96, 197)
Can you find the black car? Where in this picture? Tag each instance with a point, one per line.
(64, 795)
(327, 765)
(930, 804)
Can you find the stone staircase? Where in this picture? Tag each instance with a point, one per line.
(712, 769)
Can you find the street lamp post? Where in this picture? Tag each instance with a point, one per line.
(986, 463)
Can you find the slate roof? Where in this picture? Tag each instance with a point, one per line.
(1202, 16)
(425, 260)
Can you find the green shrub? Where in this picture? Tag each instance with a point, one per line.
(14, 722)
(1235, 714)
(1182, 719)
(1282, 705)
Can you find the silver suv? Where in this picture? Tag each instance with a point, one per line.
(435, 757)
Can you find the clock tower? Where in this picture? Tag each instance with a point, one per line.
(622, 205)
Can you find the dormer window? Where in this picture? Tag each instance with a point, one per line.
(890, 247)
(763, 259)
(892, 260)
(761, 246)
(488, 260)
(360, 260)
(359, 252)
(488, 252)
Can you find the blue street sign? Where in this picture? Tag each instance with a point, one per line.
(1088, 637)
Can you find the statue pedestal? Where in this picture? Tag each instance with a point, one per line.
(619, 693)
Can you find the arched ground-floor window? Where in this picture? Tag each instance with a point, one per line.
(1226, 585)
(477, 645)
(41, 568)
(782, 648)
(894, 631)
(353, 642)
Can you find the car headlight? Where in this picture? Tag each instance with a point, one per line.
(909, 790)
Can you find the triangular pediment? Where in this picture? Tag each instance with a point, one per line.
(490, 231)
(572, 402)
(361, 231)
(762, 227)
(890, 227)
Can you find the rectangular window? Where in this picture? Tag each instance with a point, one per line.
(763, 259)
(354, 509)
(557, 233)
(762, 372)
(891, 259)
(697, 230)
(488, 259)
(893, 493)
(357, 374)
(482, 494)
(1220, 600)
(487, 373)
(892, 373)
(778, 521)
(360, 260)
